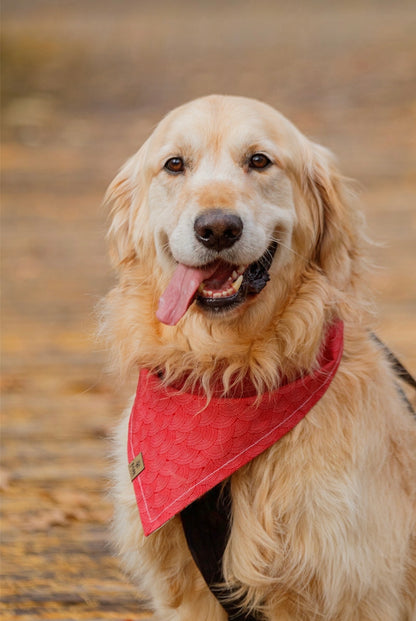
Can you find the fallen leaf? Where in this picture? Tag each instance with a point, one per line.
(44, 520)
(5, 477)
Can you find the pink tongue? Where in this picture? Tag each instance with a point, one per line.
(180, 292)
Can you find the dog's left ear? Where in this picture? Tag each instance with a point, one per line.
(125, 198)
(338, 235)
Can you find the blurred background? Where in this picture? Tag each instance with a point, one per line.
(84, 83)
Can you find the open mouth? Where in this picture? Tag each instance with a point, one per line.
(230, 285)
(219, 286)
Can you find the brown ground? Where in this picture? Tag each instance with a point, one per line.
(84, 84)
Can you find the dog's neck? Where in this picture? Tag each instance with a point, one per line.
(260, 347)
(244, 369)
(249, 354)
(239, 387)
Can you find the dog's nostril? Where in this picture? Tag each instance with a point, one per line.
(206, 234)
(217, 229)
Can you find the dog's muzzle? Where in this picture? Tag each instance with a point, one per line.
(219, 286)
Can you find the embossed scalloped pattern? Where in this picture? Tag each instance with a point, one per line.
(188, 447)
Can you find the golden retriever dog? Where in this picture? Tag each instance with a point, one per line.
(322, 523)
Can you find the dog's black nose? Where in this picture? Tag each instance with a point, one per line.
(217, 229)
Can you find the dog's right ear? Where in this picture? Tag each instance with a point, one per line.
(124, 197)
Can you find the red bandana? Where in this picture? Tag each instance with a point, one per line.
(179, 448)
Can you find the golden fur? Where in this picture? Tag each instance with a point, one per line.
(323, 522)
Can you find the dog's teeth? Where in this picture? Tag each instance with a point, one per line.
(233, 287)
(237, 283)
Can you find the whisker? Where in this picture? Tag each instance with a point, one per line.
(280, 243)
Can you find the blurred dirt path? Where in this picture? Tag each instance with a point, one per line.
(85, 85)
(58, 405)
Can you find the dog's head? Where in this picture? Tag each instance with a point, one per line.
(226, 208)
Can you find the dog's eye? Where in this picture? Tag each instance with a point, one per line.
(175, 165)
(259, 161)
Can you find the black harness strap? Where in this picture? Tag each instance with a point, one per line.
(400, 370)
(206, 523)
